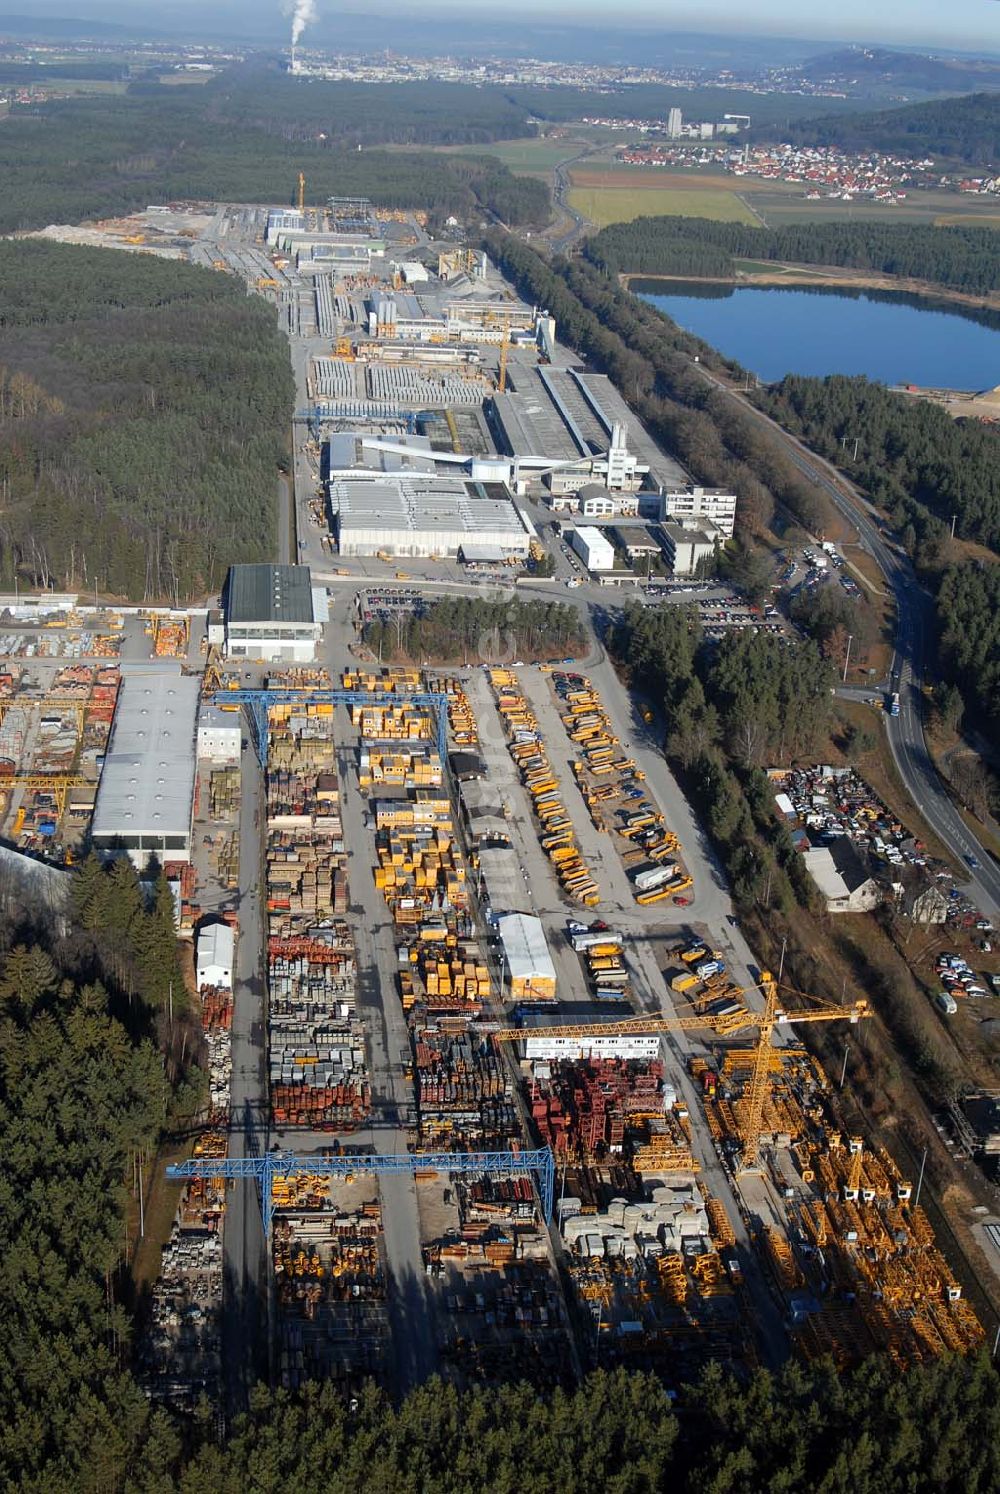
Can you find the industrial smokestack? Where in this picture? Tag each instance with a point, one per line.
(303, 13)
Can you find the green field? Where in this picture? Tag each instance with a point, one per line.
(604, 205)
(778, 207)
(523, 157)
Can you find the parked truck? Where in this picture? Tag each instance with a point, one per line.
(652, 877)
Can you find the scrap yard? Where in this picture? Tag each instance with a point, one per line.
(494, 1086)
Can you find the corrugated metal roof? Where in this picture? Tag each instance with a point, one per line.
(216, 944)
(147, 786)
(525, 947)
(269, 593)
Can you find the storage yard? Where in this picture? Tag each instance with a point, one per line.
(611, 785)
(670, 1248)
(426, 869)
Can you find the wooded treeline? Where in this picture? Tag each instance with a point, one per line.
(144, 412)
(731, 710)
(245, 137)
(962, 257)
(805, 1431)
(479, 631)
(921, 467)
(83, 1093)
(914, 459)
(965, 130)
(968, 612)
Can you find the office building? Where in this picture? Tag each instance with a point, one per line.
(711, 505)
(273, 612)
(689, 543)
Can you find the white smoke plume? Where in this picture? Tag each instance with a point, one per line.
(303, 13)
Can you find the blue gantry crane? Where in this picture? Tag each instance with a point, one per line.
(258, 702)
(266, 1166)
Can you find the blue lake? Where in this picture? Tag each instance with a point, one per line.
(896, 339)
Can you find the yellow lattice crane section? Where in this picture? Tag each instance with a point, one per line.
(56, 784)
(852, 1187)
(724, 1025)
(61, 703)
(302, 192)
(504, 354)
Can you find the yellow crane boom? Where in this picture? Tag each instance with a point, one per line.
(724, 1025)
(57, 784)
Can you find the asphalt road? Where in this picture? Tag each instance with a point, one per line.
(914, 619)
(246, 1277)
(410, 1303)
(561, 186)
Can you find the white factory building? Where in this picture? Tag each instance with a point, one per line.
(610, 1045)
(145, 801)
(273, 612)
(592, 501)
(219, 734)
(703, 505)
(593, 547)
(421, 515)
(688, 543)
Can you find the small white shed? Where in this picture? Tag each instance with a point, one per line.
(214, 960)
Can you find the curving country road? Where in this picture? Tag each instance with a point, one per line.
(561, 185)
(914, 607)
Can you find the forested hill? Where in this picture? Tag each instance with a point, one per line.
(961, 258)
(144, 411)
(964, 130)
(93, 157)
(874, 68)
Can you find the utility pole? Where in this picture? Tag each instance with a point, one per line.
(920, 1180)
(850, 640)
(843, 1072)
(954, 517)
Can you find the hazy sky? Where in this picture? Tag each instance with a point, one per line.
(958, 24)
(968, 25)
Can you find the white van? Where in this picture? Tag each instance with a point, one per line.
(946, 1002)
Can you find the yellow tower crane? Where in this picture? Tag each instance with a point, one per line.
(504, 352)
(302, 191)
(766, 1021)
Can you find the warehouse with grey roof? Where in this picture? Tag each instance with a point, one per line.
(145, 802)
(415, 515)
(273, 612)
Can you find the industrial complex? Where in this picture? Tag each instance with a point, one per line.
(495, 1088)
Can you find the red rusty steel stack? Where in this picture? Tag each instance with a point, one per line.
(500, 1198)
(338, 1107)
(216, 1007)
(73, 680)
(585, 1106)
(316, 951)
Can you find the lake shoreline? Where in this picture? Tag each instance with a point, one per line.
(818, 329)
(831, 276)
